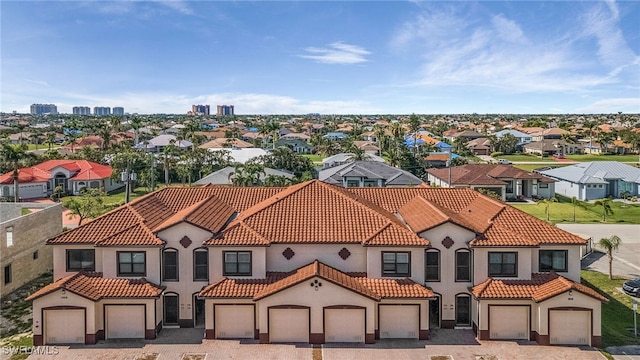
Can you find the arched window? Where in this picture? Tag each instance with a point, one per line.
(463, 265)
(200, 264)
(170, 264)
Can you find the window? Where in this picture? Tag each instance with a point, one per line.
(463, 265)
(509, 188)
(544, 185)
(7, 274)
(237, 263)
(9, 232)
(353, 183)
(170, 265)
(432, 267)
(81, 259)
(555, 260)
(131, 263)
(503, 264)
(35, 255)
(396, 264)
(201, 264)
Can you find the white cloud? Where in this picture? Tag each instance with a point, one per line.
(337, 53)
(508, 30)
(608, 106)
(178, 5)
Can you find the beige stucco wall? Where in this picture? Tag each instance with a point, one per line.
(185, 287)
(447, 287)
(57, 299)
(326, 253)
(562, 300)
(29, 234)
(374, 262)
(573, 260)
(327, 295)
(110, 262)
(60, 259)
(258, 262)
(481, 262)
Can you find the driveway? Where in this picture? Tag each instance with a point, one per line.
(180, 343)
(626, 261)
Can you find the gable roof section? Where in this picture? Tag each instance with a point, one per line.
(93, 286)
(276, 282)
(539, 288)
(485, 174)
(422, 215)
(210, 214)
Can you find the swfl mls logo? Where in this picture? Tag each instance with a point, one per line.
(35, 350)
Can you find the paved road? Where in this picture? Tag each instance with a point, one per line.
(626, 261)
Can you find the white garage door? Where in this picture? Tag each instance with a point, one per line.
(64, 326)
(289, 325)
(570, 327)
(344, 325)
(399, 322)
(31, 191)
(125, 322)
(509, 322)
(234, 321)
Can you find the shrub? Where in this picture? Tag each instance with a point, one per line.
(497, 153)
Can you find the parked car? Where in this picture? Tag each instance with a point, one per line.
(504, 162)
(632, 287)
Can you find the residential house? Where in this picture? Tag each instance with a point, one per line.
(466, 134)
(367, 146)
(316, 263)
(40, 181)
(223, 142)
(336, 136)
(367, 174)
(343, 158)
(550, 147)
(596, 180)
(23, 253)
(523, 138)
(158, 143)
(242, 155)
(506, 181)
(552, 133)
(224, 176)
(479, 146)
(297, 145)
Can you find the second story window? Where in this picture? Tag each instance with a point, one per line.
(396, 264)
(9, 235)
(8, 276)
(201, 265)
(432, 267)
(131, 263)
(463, 265)
(555, 260)
(237, 263)
(170, 265)
(503, 264)
(81, 259)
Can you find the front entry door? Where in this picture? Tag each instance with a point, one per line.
(171, 310)
(463, 310)
(198, 312)
(434, 313)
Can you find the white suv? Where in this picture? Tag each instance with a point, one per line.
(504, 162)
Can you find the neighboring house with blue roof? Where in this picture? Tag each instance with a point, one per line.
(368, 174)
(523, 138)
(336, 136)
(596, 180)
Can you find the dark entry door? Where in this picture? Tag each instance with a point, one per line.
(171, 310)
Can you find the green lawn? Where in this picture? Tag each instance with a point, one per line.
(617, 314)
(317, 159)
(41, 147)
(563, 212)
(589, 157)
(531, 167)
(522, 157)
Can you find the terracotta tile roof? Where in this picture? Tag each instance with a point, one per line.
(210, 214)
(397, 288)
(101, 228)
(238, 234)
(84, 170)
(279, 281)
(485, 174)
(422, 215)
(539, 288)
(94, 287)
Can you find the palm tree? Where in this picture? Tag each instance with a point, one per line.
(606, 207)
(14, 155)
(575, 202)
(609, 245)
(547, 204)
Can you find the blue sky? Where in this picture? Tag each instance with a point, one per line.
(329, 57)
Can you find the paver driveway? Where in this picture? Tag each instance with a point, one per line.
(180, 343)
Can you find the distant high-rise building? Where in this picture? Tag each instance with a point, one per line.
(200, 109)
(118, 110)
(38, 109)
(225, 110)
(81, 110)
(100, 110)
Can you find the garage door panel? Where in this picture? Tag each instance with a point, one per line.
(289, 325)
(509, 322)
(344, 325)
(569, 327)
(234, 321)
(399, 322)
(64, 326)
(125, 322)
